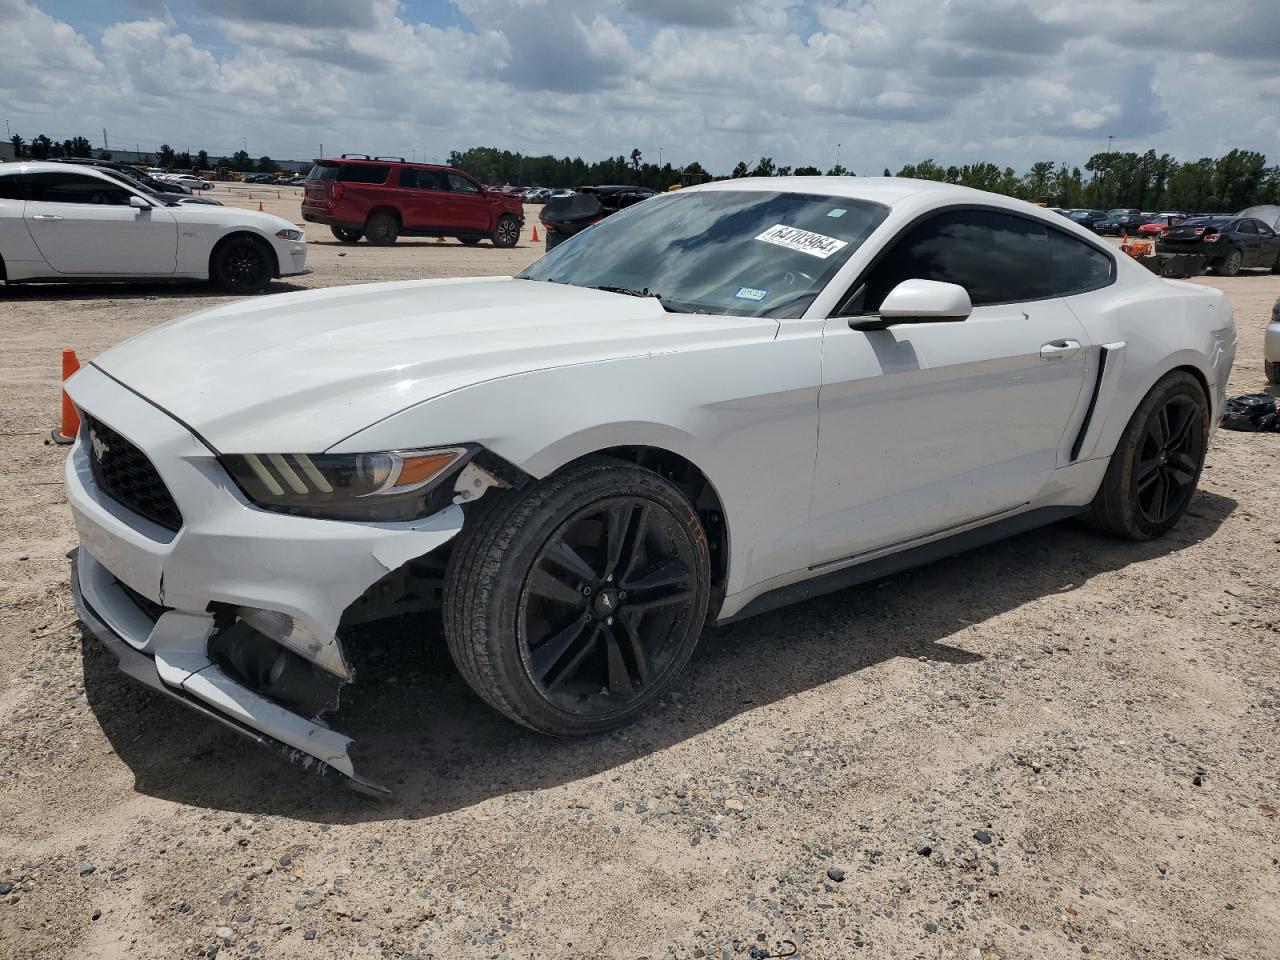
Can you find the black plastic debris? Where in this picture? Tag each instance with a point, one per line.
(1252, 412)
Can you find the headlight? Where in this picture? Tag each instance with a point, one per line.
(289, 234)
(396, 485)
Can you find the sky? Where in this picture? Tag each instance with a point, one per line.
(872, 83)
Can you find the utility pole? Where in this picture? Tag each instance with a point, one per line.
(105, 144)
(659, 156)
(1109, 139)
(838, 146)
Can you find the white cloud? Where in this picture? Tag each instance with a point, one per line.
(891, 80)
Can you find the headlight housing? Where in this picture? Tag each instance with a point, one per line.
(289, 234)
(395, 485)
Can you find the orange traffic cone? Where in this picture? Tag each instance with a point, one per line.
(259, 205)
(535, 233)
(66, 433)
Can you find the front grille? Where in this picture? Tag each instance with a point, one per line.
(124, 473)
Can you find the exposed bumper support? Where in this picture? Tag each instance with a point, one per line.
(180, 670)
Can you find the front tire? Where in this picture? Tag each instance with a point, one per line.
(243, 265)
(507, 231)
(470, 241)
(347, 234)
(572, 605)
(1156, 465)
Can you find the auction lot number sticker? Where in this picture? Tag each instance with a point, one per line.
(804, 241)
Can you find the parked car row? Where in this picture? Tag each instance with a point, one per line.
(1228, 243)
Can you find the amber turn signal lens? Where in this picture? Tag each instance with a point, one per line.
(416, 470)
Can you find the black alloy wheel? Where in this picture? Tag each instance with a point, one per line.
(1152, 474)
(382, 230)
(572, 604)
(604, 597)
(1169, 461)
(1232, 264)
(507, 232)
(243, 265)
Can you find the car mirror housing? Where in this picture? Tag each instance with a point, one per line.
(138, 203)
(918, 301)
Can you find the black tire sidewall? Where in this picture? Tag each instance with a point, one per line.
(495, 607)
(221, 268)
(1226, 263)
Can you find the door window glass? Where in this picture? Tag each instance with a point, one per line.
(11, 188)
(74, 188)
(422, 179)
(1263, 229)
(460, 184)
(996, 257)
(1246, 226)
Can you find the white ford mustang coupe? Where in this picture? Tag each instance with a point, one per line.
(710, 404)
(71, 223)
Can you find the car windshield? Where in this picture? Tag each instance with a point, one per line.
(739, 252)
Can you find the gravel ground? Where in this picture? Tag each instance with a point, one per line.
(1057, 746)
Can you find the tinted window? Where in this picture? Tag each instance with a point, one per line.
(1077, 266)
(1263, 228)
(422, 179)
(1245, 226)
(998, 258)
(74, 188)
(363, 173)
(11, 188)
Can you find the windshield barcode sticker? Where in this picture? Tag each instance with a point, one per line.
(803, 241)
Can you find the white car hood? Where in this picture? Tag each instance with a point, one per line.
(268, 223)
(299, 372)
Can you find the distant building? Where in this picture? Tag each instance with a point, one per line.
(6, 151)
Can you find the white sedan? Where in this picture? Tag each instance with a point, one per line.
(712, 403)
(188, 181)
(63, 223)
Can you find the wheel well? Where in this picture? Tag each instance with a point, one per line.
(1200, 379)
(391, 210)
(244, 233)
(701, 493)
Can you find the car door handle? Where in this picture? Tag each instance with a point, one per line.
(1059, 349)
(46, 216)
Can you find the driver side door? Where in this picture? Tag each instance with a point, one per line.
(929, 426)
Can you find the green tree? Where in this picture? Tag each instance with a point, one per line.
(41, 147)
(266, 165)
(19, 149)
(202, 160)
(1037, 179)
(764, 168)
(839, 170)
(635, 159)
(240, 160)
(166, 156)
(807, 172)
(741, 170)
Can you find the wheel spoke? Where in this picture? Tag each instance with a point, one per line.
(617, 520)
(576, 660)
(1147, 470)
(1160, 427)
(544, 658)
(635, 543)
(571, 560)
(1182, 432)
(670, 573)
(1182, 467)
(638, 652)
(648, 606)
(1166, 491)
(544, 584)
(619, 679)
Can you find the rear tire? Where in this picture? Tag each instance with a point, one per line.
(1230, 266)
(1153, 473)
(572, 605)
(382, 230)
(507, 232)
(242, 264)
(347, 234)
(1273, 372)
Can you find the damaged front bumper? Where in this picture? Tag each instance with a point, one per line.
(159, 598)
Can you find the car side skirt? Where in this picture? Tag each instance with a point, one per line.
(887, 564)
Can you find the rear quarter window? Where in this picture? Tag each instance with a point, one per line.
(11, 189)
(363, 173)
(1077, 267)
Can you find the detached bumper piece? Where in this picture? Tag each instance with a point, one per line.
(168, 654)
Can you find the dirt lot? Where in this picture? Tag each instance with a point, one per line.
(1057, 746)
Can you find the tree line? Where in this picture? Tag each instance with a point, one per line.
(1231, 182)
(43, 148)
(1147, 181)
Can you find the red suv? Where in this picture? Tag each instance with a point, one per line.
(384, 198)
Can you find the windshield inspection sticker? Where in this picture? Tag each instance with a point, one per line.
(751, 293)
(837, 212)
(803, 241)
